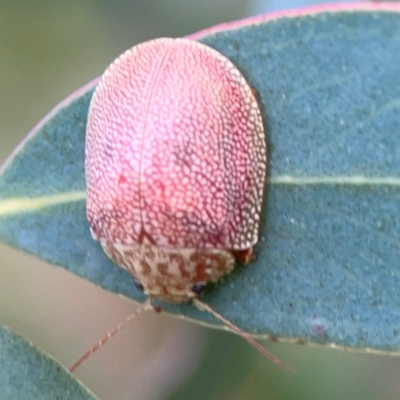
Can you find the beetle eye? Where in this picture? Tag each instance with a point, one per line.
(139, 286)
(198, 288)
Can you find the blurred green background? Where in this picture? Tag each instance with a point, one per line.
(47, 50)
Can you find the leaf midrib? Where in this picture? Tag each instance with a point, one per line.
(15, 205)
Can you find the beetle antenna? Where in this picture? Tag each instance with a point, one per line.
(205, 307)
(146, 306)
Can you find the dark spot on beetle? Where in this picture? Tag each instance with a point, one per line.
(157, 309)
(236, 45)
(291, 305)
(146, 268)
(244, 256)
(150, 254)
(198, 288)
(301, 341)
(179, 261)
(273, 338)
(162, 268)
(129, 254)
(139, 286)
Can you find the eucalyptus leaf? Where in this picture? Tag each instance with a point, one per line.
(27, 373)
(327, 267)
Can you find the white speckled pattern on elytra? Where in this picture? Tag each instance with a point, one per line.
(175, 153)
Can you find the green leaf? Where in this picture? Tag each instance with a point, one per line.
(27, 373)
(327, 266)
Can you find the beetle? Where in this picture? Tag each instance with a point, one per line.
(175, 166)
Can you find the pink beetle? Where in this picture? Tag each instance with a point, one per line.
(175, 166)
(175, 171)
